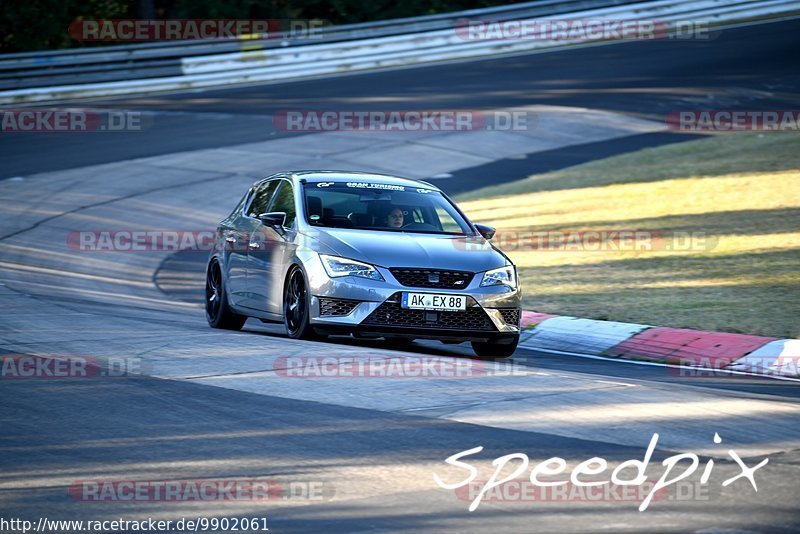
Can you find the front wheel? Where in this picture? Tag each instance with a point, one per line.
(494, 350)
(218, 313)
(296, 306)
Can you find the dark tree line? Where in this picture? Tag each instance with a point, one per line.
(42, 24)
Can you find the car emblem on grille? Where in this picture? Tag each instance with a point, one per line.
(458, 283)
(433, 278)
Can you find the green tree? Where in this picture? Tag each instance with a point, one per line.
(44, 24)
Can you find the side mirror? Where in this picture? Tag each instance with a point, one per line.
(273, 218)
(485, 231)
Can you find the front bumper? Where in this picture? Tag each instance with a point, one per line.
(372, 308)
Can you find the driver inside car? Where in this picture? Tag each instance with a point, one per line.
(394, 219)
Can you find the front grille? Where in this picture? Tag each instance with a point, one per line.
(510, 315)
(336, 307)
(432, 278)
(390, 313)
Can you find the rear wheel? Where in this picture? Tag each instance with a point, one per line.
(296, 306)
(494, 350)
(218, 313)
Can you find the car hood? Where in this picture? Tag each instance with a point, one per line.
(398, 249)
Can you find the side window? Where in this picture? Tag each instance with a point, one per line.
(263, 196)
(446, 221)
(284, 201)
(242, 203)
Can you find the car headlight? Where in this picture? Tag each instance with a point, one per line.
(506, 276)
(336, 267)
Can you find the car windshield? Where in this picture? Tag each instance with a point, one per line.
(372, 206)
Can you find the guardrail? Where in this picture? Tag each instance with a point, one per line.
(153, 67)
(148, 60)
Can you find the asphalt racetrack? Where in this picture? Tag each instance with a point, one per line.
(356, 454)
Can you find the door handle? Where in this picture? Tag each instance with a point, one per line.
(254, 245)
(230, 239)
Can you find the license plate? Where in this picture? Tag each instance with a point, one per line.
(430, 301)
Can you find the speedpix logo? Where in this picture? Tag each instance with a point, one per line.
(586, 473)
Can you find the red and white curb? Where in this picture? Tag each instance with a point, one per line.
(678, 346)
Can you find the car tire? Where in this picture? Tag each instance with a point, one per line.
(296, 315)
(218, 312)
(494, 350)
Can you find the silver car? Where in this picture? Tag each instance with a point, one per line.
(368, 255)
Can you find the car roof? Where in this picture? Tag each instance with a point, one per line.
(349, 176)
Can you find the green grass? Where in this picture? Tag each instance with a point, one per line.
(740, 192)
(716, 156)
